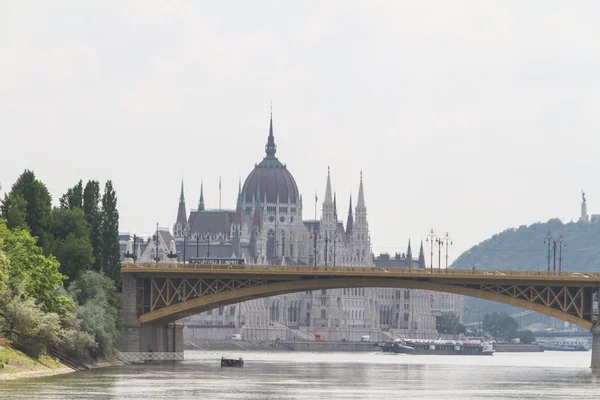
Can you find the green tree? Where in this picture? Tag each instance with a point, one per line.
(14, 210)
(32, 329)
(500, 324)
(110, 234)
(71, 243)
(93, 217)
(98, 309)
(526, 336)
(39, 275)
(73, 198)
(449, 323)
(38, 205)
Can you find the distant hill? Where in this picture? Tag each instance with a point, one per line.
(523, 248)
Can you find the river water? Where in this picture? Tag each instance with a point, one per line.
(299, 375)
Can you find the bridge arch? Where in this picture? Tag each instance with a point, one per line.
(200, 304)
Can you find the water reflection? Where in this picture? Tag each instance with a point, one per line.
(328, 376)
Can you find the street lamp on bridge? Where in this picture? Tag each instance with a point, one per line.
(448, 242)
(431, 237)
(561, 244)
(548, 240)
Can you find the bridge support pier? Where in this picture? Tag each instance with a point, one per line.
(146, 338)
(596, 347)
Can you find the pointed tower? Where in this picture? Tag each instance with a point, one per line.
(180, 227)
(361, 242)
(421, 256)
(328, 213)
(201, 202)
(409, 254)
(350, 221)
(271, 148)
(239, 207)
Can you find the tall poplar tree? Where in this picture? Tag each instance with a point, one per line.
(93, 217)
(73, 198)
(110, 234)
(30, 199)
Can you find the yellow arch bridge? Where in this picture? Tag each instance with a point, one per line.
(161, 293)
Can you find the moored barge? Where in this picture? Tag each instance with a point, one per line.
(440, 347)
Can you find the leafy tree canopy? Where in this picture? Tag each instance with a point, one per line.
(23, 321)
(39, 275)
(93, 217)
(526, 337)
(450, 323)
(29, 194)
(500, 324)
(110, 233)
(14, 210)
(98, 309)
(73, 198)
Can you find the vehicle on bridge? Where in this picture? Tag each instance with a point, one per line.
(217, 261)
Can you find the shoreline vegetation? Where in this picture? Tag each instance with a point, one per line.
(59, 271)
(15, 364)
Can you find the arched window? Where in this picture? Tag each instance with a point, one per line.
(270, 245)
(283, 243)
(323, 314)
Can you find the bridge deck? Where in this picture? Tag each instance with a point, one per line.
(289, 271)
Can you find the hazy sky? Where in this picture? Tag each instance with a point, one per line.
(465, 116)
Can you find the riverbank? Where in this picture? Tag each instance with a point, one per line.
(15, 364)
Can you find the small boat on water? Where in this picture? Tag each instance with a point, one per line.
(440, 347)
(232, 362)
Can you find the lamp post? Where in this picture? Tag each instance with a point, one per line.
(431, 238)
(448, 241)
(440, 243)
(548, 240)
(554, 250)
(561, 244)
(314, 238)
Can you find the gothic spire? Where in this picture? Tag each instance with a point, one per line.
(271, 148)
(181, 196)
(421, 256)
(361, 194)
(328, 187)
(409, 252)
(201, 202)
(239, 199)
(350, 221)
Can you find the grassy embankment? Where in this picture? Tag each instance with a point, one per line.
(16, 364)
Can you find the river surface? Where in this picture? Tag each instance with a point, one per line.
(300, 375)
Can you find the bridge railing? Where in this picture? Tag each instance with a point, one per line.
(353, 270)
